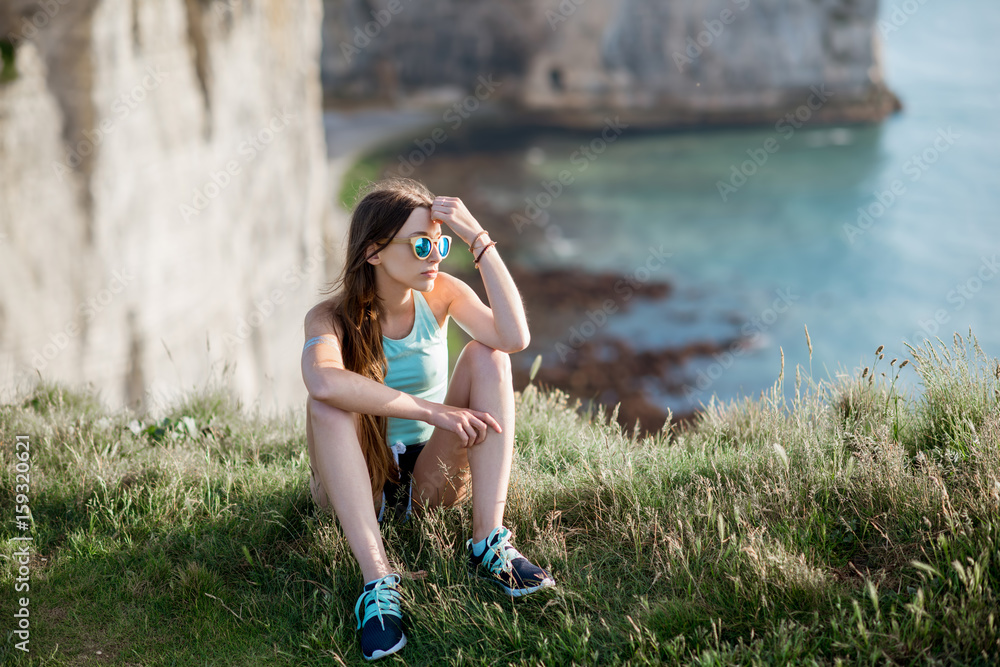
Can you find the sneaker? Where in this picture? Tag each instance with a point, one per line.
(381, 624)
(504, 565)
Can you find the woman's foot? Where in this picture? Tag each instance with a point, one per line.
(500, 563)
(380, 618)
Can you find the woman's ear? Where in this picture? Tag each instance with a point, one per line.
(374, 258)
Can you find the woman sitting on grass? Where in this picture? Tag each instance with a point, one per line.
(407, 438)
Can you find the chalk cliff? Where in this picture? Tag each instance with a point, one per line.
(654, 63)
(163, 194)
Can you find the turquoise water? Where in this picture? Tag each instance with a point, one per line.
(779, 242)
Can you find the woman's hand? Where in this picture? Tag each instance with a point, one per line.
(453, 212)
(469, 425)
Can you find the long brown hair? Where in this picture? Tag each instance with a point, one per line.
(359, 311)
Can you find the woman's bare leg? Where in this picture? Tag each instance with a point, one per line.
(482, 380)
(336, 459)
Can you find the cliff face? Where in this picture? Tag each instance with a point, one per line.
(391, 49)
(653, 63)
(162, 194)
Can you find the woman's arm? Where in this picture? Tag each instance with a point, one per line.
(328, 381)
(505, 300)
(353, 392)
(503, 325)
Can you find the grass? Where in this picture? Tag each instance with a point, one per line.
(8, 58)
(850, 525)
(364, 170)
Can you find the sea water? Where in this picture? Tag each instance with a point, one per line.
(866, 234)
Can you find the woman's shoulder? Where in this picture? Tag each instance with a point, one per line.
(446, 287)
(319, 320)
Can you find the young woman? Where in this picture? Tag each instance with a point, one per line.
(375, 364)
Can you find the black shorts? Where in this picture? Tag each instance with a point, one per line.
(399, 496)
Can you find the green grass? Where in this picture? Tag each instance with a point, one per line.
(377, 162)
(8, 61)
(851, 525)
(362, 171)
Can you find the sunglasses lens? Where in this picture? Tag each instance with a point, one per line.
(444, 247)
(423, 247)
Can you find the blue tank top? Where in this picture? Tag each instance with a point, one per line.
(417, 365)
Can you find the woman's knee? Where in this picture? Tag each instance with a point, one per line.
(327, 416)
(484, 357)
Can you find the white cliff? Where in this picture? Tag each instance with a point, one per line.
(164, 206)
(653, 63)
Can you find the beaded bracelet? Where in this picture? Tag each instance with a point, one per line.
(476, 239)
(487, 247)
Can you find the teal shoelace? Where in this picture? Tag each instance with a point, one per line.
(382, 600)
(499, 557)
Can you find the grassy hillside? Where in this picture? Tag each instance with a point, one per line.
(853, 525)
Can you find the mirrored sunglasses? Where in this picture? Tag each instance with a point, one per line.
(422, 245)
